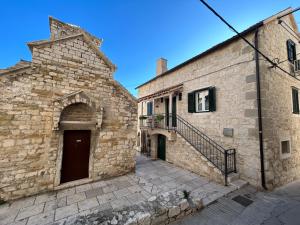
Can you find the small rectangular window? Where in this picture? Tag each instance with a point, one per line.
(203, 100)
(291, 50)
(180, 96)
(285, 147)
(295, 99)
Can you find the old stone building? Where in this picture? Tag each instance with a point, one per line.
(64, 120)
(228, 111)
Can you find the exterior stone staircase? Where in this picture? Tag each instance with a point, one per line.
(208, 157)
(222, 160)
(200, 165)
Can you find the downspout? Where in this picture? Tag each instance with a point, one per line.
(261, 144)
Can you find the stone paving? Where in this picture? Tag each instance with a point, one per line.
(280, 207)
(153, 181)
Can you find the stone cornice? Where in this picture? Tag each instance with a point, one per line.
(15, 70)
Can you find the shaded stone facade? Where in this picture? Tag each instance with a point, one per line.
(230, 68)
(69, 85)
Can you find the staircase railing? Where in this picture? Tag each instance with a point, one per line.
(223, 159)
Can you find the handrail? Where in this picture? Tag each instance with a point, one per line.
(221, 148)
(224, 160)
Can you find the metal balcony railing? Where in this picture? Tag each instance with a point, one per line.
(223, 159)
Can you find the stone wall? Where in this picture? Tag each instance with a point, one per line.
(77, 112)
(28, 142)
(182, 154)
(231, 69)
(279, 122)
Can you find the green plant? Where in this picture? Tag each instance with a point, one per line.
(159, 117)
(186, 194)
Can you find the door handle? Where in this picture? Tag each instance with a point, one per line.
(78, 141)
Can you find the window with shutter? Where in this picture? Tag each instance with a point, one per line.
(295, 99)
(149, 108)
(191, 102)
(212, 99)
(291, 50)
(203, 100)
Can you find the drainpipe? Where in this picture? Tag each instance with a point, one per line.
(261, 144)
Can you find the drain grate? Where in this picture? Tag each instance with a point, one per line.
(242, 200)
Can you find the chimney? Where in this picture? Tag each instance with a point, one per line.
(161, 66)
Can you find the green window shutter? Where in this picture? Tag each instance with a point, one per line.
(291, 50)
(295, 101)
(191, 102)
(212, 99)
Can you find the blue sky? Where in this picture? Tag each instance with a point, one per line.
(135, 32)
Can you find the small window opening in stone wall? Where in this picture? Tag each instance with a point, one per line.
(285, 148)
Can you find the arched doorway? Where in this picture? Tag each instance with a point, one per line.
(76, 122)
(161, 147)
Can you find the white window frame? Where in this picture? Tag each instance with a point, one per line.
(201, 96)
(285, 155)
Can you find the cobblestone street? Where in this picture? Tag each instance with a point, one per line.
(280, 207)
(87, 202)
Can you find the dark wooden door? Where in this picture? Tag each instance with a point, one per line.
(76, 154)
(161, 147)
(167, 111)
(174, 112)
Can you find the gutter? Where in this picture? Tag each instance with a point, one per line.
(260, 130)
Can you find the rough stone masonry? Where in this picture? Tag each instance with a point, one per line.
(68, 86)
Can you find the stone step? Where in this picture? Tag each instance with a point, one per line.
(233, 177)
(239, 183)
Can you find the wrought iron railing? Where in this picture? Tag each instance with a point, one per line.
(223, 159)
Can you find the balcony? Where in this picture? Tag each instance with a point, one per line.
(158, 121)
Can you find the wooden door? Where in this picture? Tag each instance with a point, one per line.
(161, 147)
(76, 154)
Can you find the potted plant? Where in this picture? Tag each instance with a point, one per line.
(158, 118)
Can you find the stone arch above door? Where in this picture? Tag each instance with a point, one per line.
(171, 135)
(79, 97)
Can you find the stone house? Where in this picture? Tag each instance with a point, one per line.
(227, 112)
(64, 120)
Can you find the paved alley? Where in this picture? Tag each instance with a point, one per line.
(280, 207)
(152, 178)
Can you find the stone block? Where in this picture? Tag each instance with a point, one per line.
(30, 211)
(88, 204)
(66, 211)
(40, 219)
(174, 211)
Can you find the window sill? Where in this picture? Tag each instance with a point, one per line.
(295, 115)
(203, 112)
(285, 156)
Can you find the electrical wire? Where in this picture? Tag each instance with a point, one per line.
(289, 30)
(242, 37)
(286, 59)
